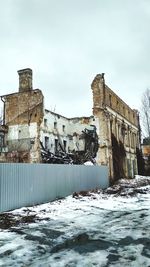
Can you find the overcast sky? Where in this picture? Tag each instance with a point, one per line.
(68, 42)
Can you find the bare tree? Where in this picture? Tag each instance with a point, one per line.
(145, 114)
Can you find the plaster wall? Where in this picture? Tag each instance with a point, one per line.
(56, 127)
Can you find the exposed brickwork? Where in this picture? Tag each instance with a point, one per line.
(119, 106)
(25, 80)
(117, 127)
(23, 111)
(24, 108)
(114, 116)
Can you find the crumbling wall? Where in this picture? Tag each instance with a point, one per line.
(68, 140)
(23, 116)
(24, 108)
(68, 131)
(115, 118)
(120, 107)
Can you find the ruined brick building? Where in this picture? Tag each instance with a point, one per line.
(27, 126)
(118, 130)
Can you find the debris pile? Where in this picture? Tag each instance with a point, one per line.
(75, 157)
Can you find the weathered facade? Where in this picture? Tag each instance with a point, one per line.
(118, 130)
(28, 126)
(64, 138)
(23, 115)
(56, 128)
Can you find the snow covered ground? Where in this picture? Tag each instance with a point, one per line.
(102, 228)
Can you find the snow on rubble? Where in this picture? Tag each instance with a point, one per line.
(97, 228)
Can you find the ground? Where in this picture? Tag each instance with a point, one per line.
(98, 228)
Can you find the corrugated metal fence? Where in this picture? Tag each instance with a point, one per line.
(23, 184)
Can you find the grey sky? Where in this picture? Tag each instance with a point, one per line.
(68, 42)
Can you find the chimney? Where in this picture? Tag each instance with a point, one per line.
(25, 80)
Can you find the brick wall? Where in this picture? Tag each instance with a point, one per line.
(114, 118)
